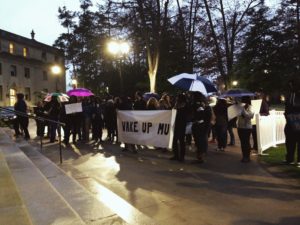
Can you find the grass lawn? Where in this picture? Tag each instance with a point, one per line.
(274, 158)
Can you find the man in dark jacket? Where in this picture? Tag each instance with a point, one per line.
(22, 121)
(139, 103)
(292, 134)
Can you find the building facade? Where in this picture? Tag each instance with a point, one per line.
(26, 67)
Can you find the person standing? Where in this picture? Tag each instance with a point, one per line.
(179, 129)
(139, 103)
(291, 130)
(201, 122)
(53, 114)
(220, 111)
(39, 112)
(244, 127)
(21, 121)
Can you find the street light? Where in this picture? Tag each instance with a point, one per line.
(119, 49)
(234, 83)
(56, 70)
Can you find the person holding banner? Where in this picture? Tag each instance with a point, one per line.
(201, 123)
(179, 130)
(139, 103)
(245, 127)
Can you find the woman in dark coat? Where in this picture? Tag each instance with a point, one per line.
(21, 121)
(221, 124)
(53, 114)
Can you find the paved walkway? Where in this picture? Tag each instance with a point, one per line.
(219, 192)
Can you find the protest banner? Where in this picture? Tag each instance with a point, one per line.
(256, 104)
(234, 111)
(73, 108)
(153, 128)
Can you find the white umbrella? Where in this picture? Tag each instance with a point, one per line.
(192, 82)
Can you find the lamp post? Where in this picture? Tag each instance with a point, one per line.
(56, 70)
(119, 49)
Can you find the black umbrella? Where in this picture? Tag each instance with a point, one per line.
(237, 93)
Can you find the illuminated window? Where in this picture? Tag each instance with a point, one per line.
(11, 48)
(26, 72)
(45, 75)
(25, 52)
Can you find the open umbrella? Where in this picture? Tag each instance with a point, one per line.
(80, 92)
(192, 82)
(237, 93)
(60, 96)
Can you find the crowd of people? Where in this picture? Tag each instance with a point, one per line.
(205, 119)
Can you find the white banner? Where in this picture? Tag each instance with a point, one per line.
(153, 127)
(73, 108)
(234, 111)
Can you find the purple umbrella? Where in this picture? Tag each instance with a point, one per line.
(80, 92)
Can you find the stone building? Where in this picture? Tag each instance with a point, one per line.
(26, 66)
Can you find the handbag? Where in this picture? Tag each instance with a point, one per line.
(293, 120)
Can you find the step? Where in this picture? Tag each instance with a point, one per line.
(43, 203)
(12, 209)
(85, 204)
(86, 201)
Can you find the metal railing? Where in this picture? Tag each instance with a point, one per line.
(42, 119)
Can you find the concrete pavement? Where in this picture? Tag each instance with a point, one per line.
(148, 186)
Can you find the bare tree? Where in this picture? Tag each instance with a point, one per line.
(153, 19)
(226, 25)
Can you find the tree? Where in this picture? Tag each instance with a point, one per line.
(227, 25)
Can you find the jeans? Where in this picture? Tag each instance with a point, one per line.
(221, 131)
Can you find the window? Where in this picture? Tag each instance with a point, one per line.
(44, 55)
(45, 75)
(11, 48)
(1, 93)
(0, 68)
(27, 72)
(25, 52)
(13, 70)
(27, 94)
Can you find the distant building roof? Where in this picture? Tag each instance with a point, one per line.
(28, 42)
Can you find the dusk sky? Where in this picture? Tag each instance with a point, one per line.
(21, 16)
